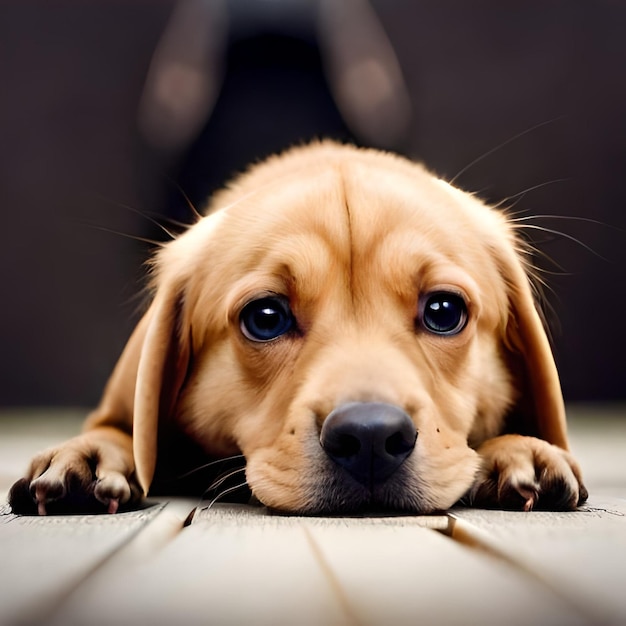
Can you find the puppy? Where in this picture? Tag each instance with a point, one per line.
(363, 333)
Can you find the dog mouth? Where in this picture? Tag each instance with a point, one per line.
(331, 491)
(337, 493)
(327, 489)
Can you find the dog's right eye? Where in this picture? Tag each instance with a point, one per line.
(266, 319)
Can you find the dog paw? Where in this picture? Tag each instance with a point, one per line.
(87, 474)
(525, 473)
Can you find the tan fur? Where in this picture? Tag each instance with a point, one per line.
(353, 238)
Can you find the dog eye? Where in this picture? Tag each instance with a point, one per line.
(444, 313)
(266, 319)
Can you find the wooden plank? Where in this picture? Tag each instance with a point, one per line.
(238, 565)
(400, 574)
(580, 555)
(235, 566)
(45, 558)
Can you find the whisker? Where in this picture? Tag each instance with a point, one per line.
(529, 189)
(541, 288)
(182, 225)
(188, 201)
(535, 251)
(537, 271)
(558, 233)
(546, 310)
(517, 201)
(500, 146)
(573, 218)
(543, 270)
(112, 231)
(158, 220)
(226, 492)
(210, 464)
(220, 480)
(144, 214)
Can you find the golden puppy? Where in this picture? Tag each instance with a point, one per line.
(363, 333)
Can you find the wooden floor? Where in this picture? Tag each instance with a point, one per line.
(239, 565)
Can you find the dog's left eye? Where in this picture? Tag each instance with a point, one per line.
(444, 313)
(266, 319)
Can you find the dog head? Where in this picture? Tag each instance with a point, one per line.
(351, 324)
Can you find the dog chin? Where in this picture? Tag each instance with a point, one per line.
(339, 493)
(335, 492)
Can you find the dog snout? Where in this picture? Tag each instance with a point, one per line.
(370, 440)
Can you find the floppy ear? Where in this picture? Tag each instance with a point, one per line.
(161, 372)
(540, 406)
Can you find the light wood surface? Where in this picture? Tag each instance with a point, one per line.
(235, 564)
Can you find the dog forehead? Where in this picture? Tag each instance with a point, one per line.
(337, 213)
(359, 200)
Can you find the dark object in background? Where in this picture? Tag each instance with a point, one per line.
(234, 81)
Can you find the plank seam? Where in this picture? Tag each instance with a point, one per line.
(332, 579)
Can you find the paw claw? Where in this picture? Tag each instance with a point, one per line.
(529, 496)
(40, 498)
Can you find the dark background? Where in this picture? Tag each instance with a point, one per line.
(479, 73)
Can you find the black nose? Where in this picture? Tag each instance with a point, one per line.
(369, 439)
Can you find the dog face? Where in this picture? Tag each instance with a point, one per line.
(353, 326)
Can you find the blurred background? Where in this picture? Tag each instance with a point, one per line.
(113, 113)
